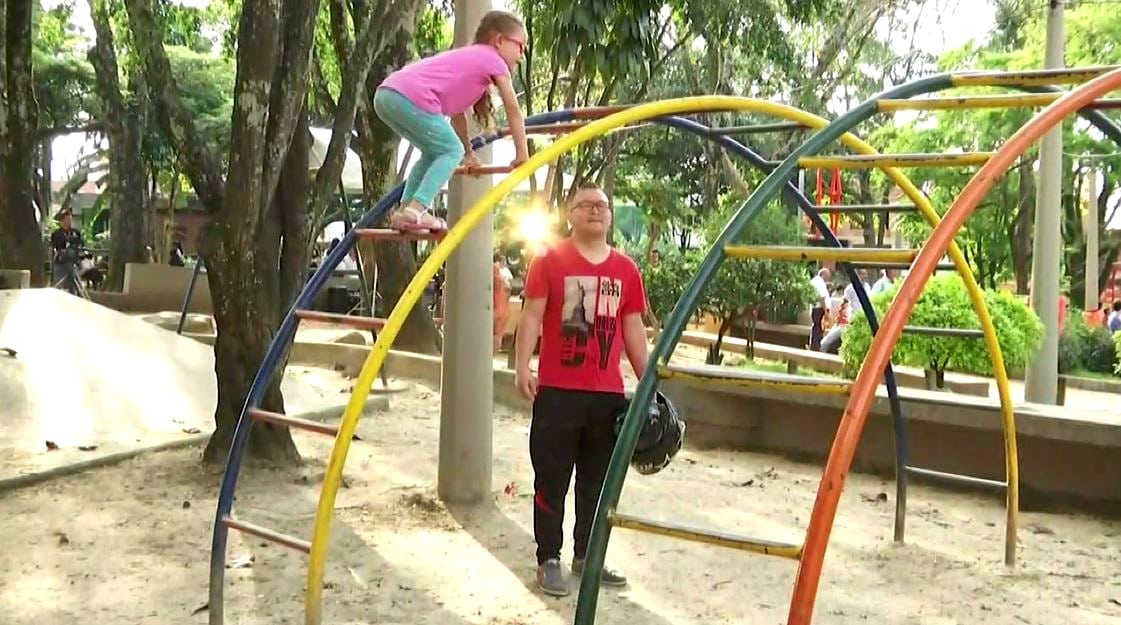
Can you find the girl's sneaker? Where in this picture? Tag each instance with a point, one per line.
(409, 219)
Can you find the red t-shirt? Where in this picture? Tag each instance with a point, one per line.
(581, 332)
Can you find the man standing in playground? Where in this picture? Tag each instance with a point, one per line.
(585, 300)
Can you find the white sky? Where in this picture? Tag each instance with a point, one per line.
(949, 24)
(945, 25)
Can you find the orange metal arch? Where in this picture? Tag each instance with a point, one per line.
(863, 389)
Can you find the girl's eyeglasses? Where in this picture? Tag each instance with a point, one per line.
(521, 44)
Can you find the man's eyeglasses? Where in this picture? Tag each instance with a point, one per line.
(588, 206)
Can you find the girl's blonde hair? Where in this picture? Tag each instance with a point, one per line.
(494, 23)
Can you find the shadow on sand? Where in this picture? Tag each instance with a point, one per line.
(513, 546)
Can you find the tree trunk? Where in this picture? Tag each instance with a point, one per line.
(43, 179)
(242, 242)
(80, 176)
(243, 289)
(1022, 230)
(242, 248)
(126, 167)
(21, 240)
(752, 321)
(715, 354)
(292, 205)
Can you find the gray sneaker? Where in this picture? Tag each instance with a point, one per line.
(610, 577)
(551, 579)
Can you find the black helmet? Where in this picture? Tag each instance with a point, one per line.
(661, 438)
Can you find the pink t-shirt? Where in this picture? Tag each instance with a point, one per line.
(451, 82)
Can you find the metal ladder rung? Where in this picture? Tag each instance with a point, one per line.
(970, 333)
(755, 379)
(967, 102)
(483, 170)
(878, 161)
(899, 266)
(1030, 78)
(865, 208)
(386, 234)
(351, 321)
(988, 102)
(710, 537)
(755, 129)
(599, 112)
(559, 128)
(276, 418)
(778, 252)
(955, 478)
(550, 129)
(263, 532)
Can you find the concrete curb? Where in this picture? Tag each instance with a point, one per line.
(29, 479)
(1093, 384)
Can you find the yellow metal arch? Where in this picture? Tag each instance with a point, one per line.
(471, 218)
(1004, 391)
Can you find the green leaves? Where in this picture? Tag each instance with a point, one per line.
(665, 280)
(64, 79)
(596, 40)
(758, 286)
(945, 303)
(433, 31)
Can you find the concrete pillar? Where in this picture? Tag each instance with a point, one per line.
(467, 389)
(1092, 228)
(1041, 380)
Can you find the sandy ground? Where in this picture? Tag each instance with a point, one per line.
(129, 544)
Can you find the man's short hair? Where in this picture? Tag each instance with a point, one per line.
(587, 185)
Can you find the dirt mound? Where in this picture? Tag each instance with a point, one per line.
(87, 380)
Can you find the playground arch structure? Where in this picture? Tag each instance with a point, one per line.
(574, 127)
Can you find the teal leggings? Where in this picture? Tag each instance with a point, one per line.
(440, 148)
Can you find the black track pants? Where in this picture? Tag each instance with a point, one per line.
(569, 429)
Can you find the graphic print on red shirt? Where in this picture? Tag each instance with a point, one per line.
(581, 333)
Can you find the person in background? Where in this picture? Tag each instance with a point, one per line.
(503, 281)
(66, 246)
(820, 284)
(885, 281)
(850, 290)
(176, 257)
(831, 344)
(1114, 321)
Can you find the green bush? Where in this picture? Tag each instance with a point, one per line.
(1100, 353)
(1117, 351)
(666, 280)
(1083, 347)
(945, 303)
(1069, 356)
(1018, 331)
